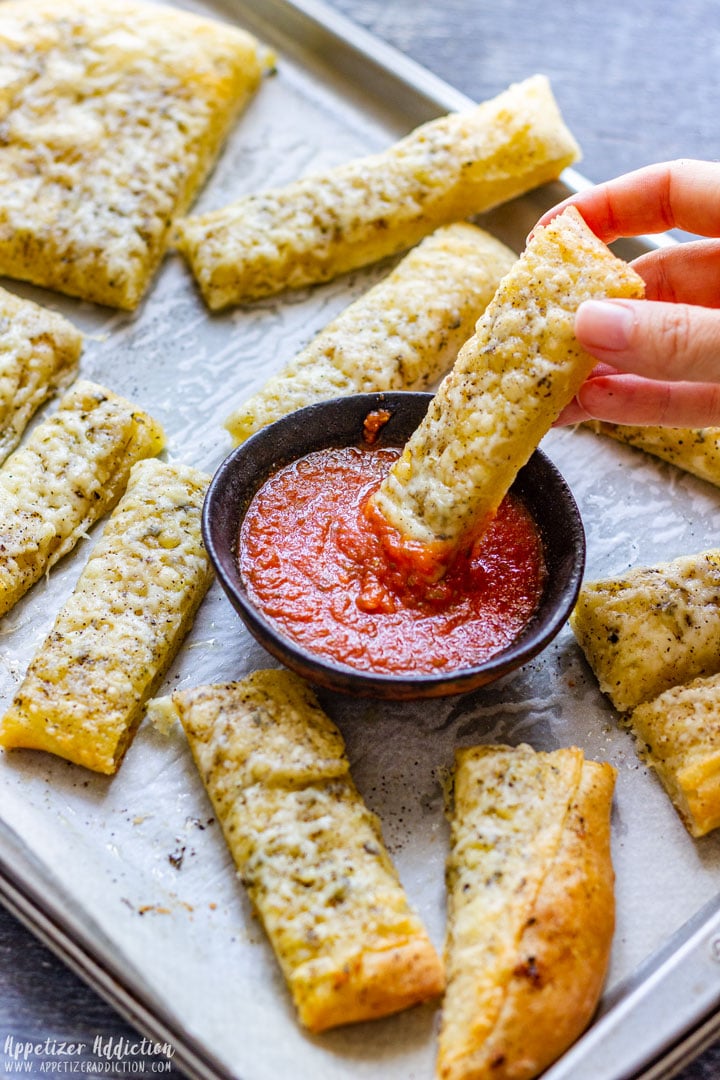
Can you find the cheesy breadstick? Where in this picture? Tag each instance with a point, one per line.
(401, 335)
(323, 225)
(678, 735)
(39, 354)
(530, 909)
(308, 851)
(652, 628)
(509, 383)
(72, 470)
(83, 693)
(696, 450)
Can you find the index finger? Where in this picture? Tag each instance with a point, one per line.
(682, 194)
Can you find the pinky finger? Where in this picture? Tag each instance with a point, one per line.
(630, 399)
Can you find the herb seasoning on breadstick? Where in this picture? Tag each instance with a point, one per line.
(403, 334)
(508, 385)
(309, 852)
(326, 224)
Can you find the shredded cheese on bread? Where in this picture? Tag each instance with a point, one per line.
(71, 471)
(401, 335)
(83, 693)
(39, 354)
(328, 223)
(112, 114)
(509, 383)
(530, 909)
(678, 735)
(308, 850)
(652, 628)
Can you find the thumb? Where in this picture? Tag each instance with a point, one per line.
(674, 342)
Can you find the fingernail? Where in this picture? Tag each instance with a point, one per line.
(605, 324)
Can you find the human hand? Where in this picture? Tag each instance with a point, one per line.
(660, 357)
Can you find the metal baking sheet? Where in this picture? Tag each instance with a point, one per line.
(128, 878)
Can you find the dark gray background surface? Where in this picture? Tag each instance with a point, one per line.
(636, 83)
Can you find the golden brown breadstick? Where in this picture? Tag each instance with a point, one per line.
(508, 385)
(308, 850)
(323, 225)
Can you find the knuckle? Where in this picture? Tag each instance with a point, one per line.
(712, 404)
(676, 333)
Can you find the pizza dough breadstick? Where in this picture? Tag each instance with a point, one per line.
(651, 628)
(308, 850)
(402, 335)
(530, 909)
(509, 383)
(71, 471)
(83, 694)
(113, 113)
(39, 354)
(331, 222)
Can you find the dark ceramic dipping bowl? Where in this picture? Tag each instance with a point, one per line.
(340, 423)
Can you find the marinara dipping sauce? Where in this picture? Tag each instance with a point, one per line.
(320, 568)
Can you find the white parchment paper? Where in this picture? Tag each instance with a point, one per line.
(140, 853)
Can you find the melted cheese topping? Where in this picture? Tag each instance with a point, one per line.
(530, 908)
(39, 354)
(654, 628)
(110, 116)
(510, 810)
(678, 734)
(72, 470)
(83, 693)
(308, 850)
(326, 224)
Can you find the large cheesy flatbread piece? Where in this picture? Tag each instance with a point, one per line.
(401, 335)
(328, 223)
(530, 909)
(112, 113)
(83, 693)
(39, 354)
(509, 383)
(652, 628)
(696, 450)
(308, 850)
(71, 471)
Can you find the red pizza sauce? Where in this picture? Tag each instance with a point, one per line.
(322, 570)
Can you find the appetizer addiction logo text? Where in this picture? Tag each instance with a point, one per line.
(106, 1055)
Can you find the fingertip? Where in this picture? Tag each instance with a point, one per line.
(573, 413)
(548, 216)
(605, 326)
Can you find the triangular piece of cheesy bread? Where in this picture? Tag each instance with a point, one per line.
(111, 114)
(678, 735)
